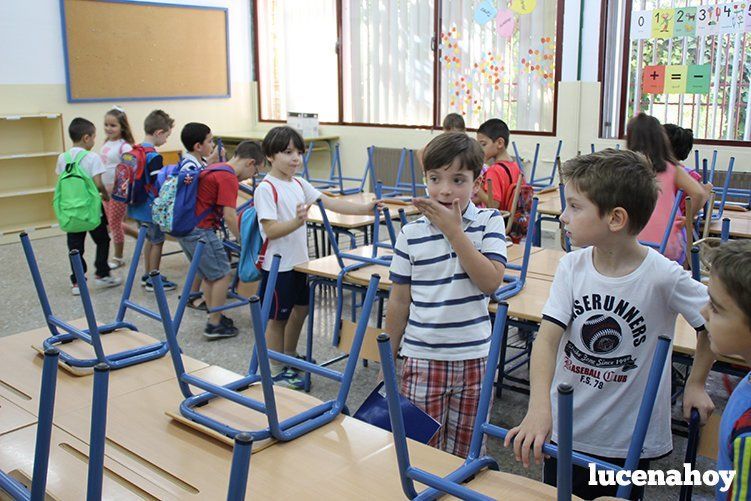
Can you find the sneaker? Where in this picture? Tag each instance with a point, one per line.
(219, 331)
(289, 379)
(302, 357)
(144, 279)
(108, 281)
(226, 321)
(116, 263)
(166, 284)
(75, 290)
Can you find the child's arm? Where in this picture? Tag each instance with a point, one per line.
(345, 207)
(487, 274)
(692, 189)
(397, 314)
(695, 394)
(278, 229)
(230, 219)
(537, 425)
(100, 186)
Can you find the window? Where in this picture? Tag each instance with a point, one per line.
(388, 62)
(410, 62)
(687, 63)
(507, 72)
(297, 59)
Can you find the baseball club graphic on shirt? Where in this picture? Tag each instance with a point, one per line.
(609, 331)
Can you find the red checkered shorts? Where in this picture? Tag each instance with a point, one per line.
(449, 391)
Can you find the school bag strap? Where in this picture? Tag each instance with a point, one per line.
(69, 161)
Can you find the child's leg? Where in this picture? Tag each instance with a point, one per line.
(215, 295)
(146, 256)
(115, 216)
(155, 256)
(424, 383)
(292, 331)
(465, 379)
(102, 240)
(275, 341)
(153, 252)
(293, 328)
(76, 242)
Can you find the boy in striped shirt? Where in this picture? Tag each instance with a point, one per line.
(445, 266)
(728, 315)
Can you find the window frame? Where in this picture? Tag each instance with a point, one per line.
(437, 112)
(623, 105)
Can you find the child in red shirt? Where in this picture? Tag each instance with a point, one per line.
(503, 173)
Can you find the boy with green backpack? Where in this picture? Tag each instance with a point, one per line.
(77, 202)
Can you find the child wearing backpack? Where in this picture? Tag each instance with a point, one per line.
(77, 204)
(200, 149)
(140, 190)
(503, 173)
(216, 199)
(282, 201)
(119, 141)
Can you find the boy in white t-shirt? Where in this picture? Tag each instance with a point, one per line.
(83, 134)
(282, 202)
(608, 304)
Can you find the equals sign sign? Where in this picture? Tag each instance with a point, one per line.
(675, 76)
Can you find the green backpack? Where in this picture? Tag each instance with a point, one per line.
(77, 203)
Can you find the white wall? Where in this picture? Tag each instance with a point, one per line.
(32, 71)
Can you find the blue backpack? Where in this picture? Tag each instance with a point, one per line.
(174, 210)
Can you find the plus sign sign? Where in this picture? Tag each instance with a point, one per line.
(654, 75)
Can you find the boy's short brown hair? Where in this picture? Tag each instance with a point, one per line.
(732, 265)
(157, 120)
(449, 146)
(613, 178)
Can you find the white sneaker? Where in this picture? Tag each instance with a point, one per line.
(109, 281)
(116, 263)
(75, 290)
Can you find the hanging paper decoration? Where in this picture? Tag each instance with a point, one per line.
(523, 6)
(676, 79)
(504, 23)
(663, 23)
(540, 61)
(697, 79)
(641, 25)
(653, 79)
(685, 22)
(485, 12)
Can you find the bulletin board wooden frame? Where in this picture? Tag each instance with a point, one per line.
(117, 50)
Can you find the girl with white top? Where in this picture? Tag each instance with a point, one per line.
(119, 141)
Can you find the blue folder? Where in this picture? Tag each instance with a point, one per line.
(418, 424)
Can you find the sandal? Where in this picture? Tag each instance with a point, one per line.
(197, 304)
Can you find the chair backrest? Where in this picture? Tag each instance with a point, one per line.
(710, 437)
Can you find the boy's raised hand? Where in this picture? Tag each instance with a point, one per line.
(214, 157)
(447, 220)
(302, 213)
(531, 434)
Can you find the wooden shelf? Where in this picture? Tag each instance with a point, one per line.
(29, 227)
(50, 116)
(29, 191)
(43, 154)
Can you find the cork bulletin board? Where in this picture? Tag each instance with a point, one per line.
(128, 51)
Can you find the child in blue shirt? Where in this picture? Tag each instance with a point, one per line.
(728, 315)
(157, 126)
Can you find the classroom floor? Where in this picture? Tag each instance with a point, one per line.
(20, 312)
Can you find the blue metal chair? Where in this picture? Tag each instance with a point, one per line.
(290, 428)
(400, 188)
(724, 192)
(542, 182)
(513, 285)
(336, 179)
(95, 474)
(92, 334)
(238, 478)
(475, 462)
(321, 184)
(451, 484)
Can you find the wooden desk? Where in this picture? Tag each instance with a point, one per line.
(13, 417)
(549, 203)
(684, 342)
(21, 373)
(542, 262)
(528, 304)
(740, 227)
(348, 221)
(67, 474)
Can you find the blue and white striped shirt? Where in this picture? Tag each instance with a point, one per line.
(448, 316)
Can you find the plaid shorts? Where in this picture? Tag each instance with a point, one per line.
(449, 391)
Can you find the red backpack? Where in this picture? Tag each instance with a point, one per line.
(132, 181)
(519, 219)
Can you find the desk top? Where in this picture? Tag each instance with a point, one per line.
(13, 417)
(740, 227)
(21, 373)
(528, 304)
